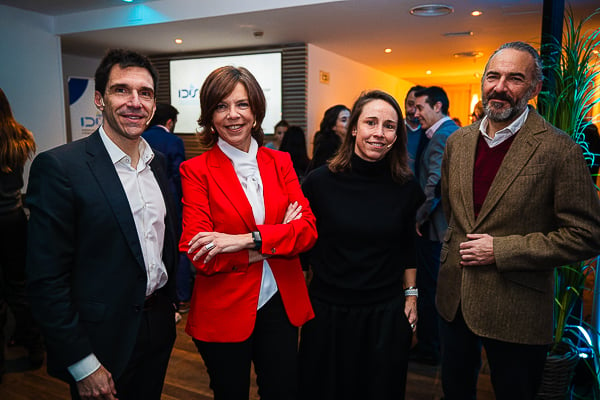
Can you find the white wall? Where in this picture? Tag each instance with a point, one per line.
(348, 79)
(31, 75)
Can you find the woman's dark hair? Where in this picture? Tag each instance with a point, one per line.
(397, 156)
(220, 84)
(294, 142)
(16, 142)
(283, 123)
(330, 117)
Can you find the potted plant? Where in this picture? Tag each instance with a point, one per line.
(567, 106)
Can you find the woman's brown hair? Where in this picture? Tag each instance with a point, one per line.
(397, 156)
(218, 85)
(16, 142)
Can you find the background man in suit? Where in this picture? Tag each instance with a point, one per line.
(101, 246)
(432, 106)
(160, 137)
(520, 201)
(415, 135)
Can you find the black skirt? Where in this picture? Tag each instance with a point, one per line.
(355, 352)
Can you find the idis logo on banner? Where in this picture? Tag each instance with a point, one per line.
(85, 118)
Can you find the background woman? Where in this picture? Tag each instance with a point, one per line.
(279, 132)
(330, 135)
(16, 146)
(294, 142)
(363, 263)
(245, 220)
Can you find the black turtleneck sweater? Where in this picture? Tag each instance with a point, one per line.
(366, 226)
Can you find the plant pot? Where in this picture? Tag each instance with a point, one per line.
(558, 373)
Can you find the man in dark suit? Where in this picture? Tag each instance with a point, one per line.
(102, 247)
(160, 137)
(520, 202)
(416, 141)
(432, 107)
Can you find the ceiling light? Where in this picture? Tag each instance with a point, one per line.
(428, 72)
(476, 13)
(178, 41)
(387, 51)
(128, 1)
(468, 54)
(431, 10)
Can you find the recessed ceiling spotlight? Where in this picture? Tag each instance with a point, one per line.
(387, 51)
(431, 10)
(178, 41)
(127, 1)
(476, 13)
(468, 54)
(428, 72)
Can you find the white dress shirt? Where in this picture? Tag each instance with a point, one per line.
(504, 133)
(148, 209)
(246, 169)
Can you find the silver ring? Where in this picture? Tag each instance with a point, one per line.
(412, 325)
(210, 246)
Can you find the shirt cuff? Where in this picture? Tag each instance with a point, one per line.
(84, 367)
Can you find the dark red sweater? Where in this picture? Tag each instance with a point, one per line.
(487, 163)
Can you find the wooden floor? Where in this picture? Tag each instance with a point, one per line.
(187, 379)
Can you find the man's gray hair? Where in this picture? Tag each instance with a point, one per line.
(538, 75)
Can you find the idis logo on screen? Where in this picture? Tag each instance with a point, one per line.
(188, 93)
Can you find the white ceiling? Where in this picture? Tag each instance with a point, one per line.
(357, 29)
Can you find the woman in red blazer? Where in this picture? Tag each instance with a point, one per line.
(245, 220)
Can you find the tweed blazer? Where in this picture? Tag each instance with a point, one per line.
(543, 212)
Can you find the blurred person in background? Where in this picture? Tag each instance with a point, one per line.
(294, 142)
(328, 139)
(160, 136)
(279, 132)
(16, 147)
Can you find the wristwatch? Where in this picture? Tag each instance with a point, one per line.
(257, 240)
(411, 291)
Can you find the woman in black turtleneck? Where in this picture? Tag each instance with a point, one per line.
(363, 263)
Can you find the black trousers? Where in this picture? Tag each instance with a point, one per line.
(13, 244)
(144, 375)
(515, 369)
(428, 267)
(272, 347)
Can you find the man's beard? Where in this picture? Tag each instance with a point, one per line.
(505, 114)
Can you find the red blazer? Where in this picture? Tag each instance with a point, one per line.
(225, 296)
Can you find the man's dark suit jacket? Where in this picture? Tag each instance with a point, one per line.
(86, 273)
(174, 150)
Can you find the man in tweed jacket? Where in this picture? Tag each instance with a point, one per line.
(520, 202)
